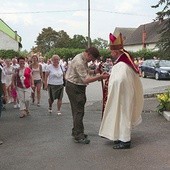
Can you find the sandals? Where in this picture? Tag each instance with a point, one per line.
(27, 111)
(50, 110)
(24, 113)
(122, 145)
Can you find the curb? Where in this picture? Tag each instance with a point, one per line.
(151, 95)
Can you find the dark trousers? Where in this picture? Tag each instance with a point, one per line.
(77, 97)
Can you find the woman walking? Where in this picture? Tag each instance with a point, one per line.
(37, 76)
(22, 80)
(54, 82)
(8, 72)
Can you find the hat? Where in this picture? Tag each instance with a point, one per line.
(116, 43)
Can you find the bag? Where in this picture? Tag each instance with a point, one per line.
(64, 80)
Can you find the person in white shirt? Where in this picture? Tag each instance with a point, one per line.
(54, 82)
(8, 72)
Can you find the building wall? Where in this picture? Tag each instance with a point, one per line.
(7, 43)
(136, 48)
(133, 48)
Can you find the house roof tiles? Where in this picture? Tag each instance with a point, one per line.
(152, 33)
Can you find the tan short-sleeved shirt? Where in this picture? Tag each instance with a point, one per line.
(77, 70)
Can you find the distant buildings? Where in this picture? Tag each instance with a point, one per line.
(145, 36)
(9, 39)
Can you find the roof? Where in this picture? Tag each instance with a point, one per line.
(9, 31)
(126, 32)
(152, 33)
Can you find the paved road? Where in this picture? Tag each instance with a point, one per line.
(43, 142)
(94, 91)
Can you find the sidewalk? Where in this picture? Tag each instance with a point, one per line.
(43, 142)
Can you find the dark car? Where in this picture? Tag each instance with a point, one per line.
(159, 69)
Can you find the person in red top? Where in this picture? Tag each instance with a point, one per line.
(23, 82)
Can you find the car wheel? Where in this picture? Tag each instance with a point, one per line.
(143, 74)
(157, 76)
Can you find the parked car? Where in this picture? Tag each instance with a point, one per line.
(159, 69)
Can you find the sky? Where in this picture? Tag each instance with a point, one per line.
(29, 17)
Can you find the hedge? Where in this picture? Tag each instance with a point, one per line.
(8, 54)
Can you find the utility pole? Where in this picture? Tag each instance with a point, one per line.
(89, 24)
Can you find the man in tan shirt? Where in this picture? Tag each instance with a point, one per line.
(78, 77)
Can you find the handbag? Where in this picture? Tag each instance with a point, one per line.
(64, 80)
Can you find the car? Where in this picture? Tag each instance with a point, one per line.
(159, 69)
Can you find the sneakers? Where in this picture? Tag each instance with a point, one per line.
(50, 111)
(82, 141)
(58, 113)
(9, 101)
(16, 106)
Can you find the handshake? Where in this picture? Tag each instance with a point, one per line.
(104, 75)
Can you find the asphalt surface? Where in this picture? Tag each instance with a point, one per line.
(43, 142)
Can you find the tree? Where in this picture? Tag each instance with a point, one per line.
(63, 40)
(164, 42)
(23, 53)
(100, 43)
(46, 40)
(79, 41)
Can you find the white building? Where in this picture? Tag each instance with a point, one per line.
(9, 39)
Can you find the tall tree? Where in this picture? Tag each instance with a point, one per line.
(79, 41)
(46, 40)
(100, 43)
(63, 40)
(164, 42)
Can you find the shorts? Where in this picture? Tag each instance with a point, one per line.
(37, 82)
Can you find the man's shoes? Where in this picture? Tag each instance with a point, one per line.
(85, 135)
(1, 142)
(82, 141)
(122, 145)
(116, 142)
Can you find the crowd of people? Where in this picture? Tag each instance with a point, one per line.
(22, 81)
